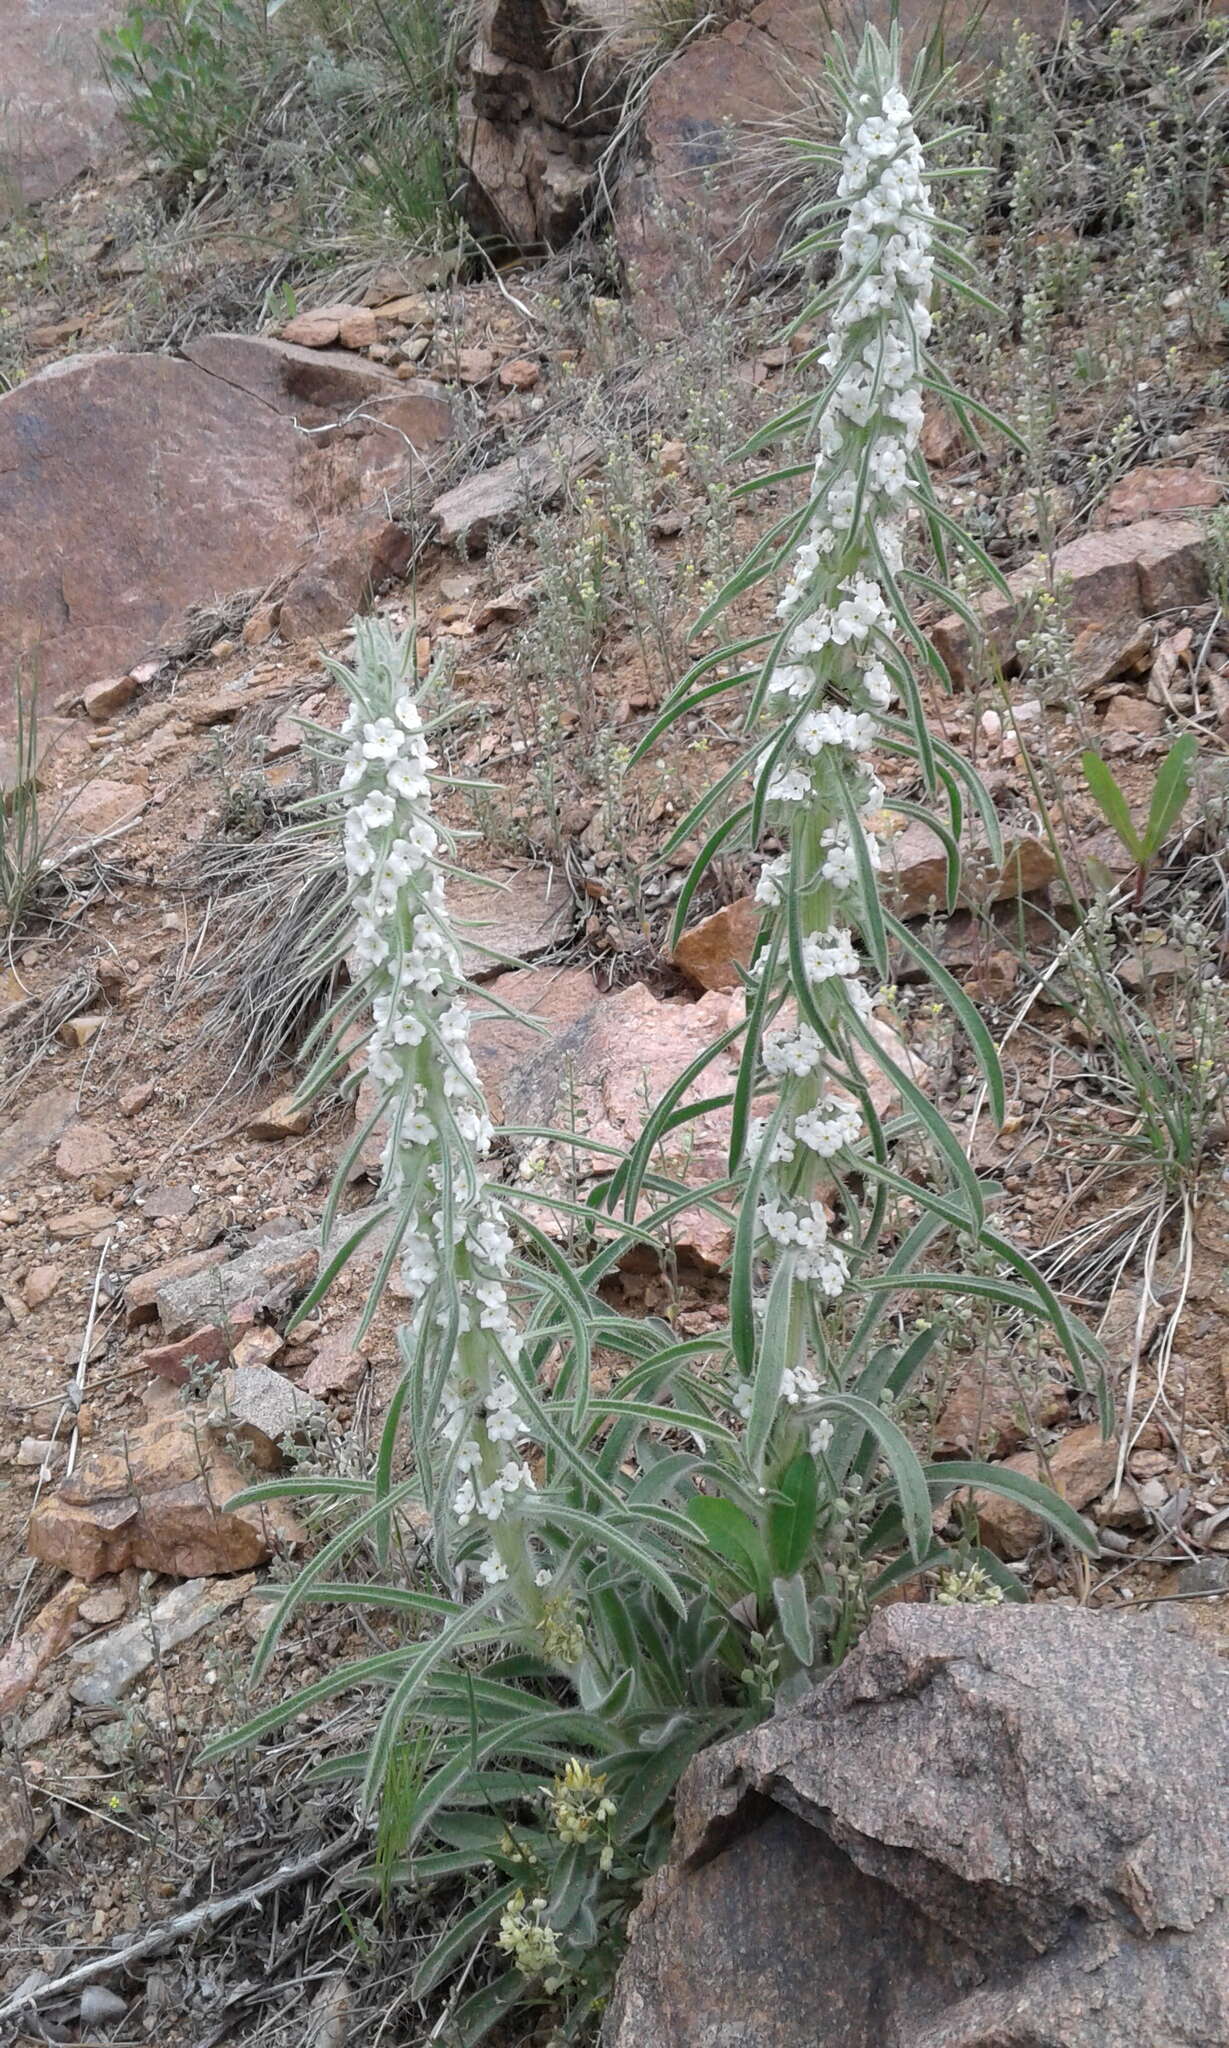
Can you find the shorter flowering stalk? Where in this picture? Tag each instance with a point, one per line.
(455, 1248)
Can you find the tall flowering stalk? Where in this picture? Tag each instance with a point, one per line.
(836, 669)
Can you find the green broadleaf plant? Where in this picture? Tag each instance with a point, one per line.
(1169, 794)
(621, 1579)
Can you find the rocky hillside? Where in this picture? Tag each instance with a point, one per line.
(248, 395)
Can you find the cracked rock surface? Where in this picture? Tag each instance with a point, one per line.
(989, 1829)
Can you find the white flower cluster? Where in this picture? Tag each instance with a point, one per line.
(438, 1127)
(838, 633)
(804, 1231)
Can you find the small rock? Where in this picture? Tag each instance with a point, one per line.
(258, 1346)
(76, 1032)
(356, 327)
(134, 1100)
(494, 500)
(285, 1117)
(915, 871)
(509, 607)
(711, 953)
(261, 625)
(170, 1204)
(101, 699)
(1117, 582)
(315, 330)
(1128, 713)
(158, 1503)
(337, 1368)
(521, 374)
(81, 1223)
(177, 1362)
(107, 1602)
(466, 366)
(942, 437)
(40, 1452)
(41, 1284)
(98, 2006)
(987, 1415)
(1081, 1466)
(84, 1149)
(261, 1409)
(98, 808)
(261, 1281)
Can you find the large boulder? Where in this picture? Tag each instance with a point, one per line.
(135, 486)
(991, 1828)
(704, 182)
(57, 115)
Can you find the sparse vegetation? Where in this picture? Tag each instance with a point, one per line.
(591, 1507)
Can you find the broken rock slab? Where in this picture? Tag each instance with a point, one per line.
(993, 1828)
(496, 500)
(110, 1667)
(158, 1501)
(1114, 583)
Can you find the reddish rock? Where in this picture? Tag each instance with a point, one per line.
(212, 486)
(42, 1640)
(134, 1100)
(84, 1149)
(27, 1140)
(521, 374)
(942, 436)
(57, 113)
(357, 328)
(711, 953)
(915, 871)
(85, 1222)
(1158, 492)
(988, 1415)
(177, 1362)
(259, 1345)
(1131, 714)
(285, 1117)
(158, 1503)
(1079, 1467)
(79, 1031)
(1116, 582)
(99, 807)
(338, 1367)
(41, 1283)
(320, 329)
(102, 699)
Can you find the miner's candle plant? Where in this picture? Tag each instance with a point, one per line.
(627, 1567)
